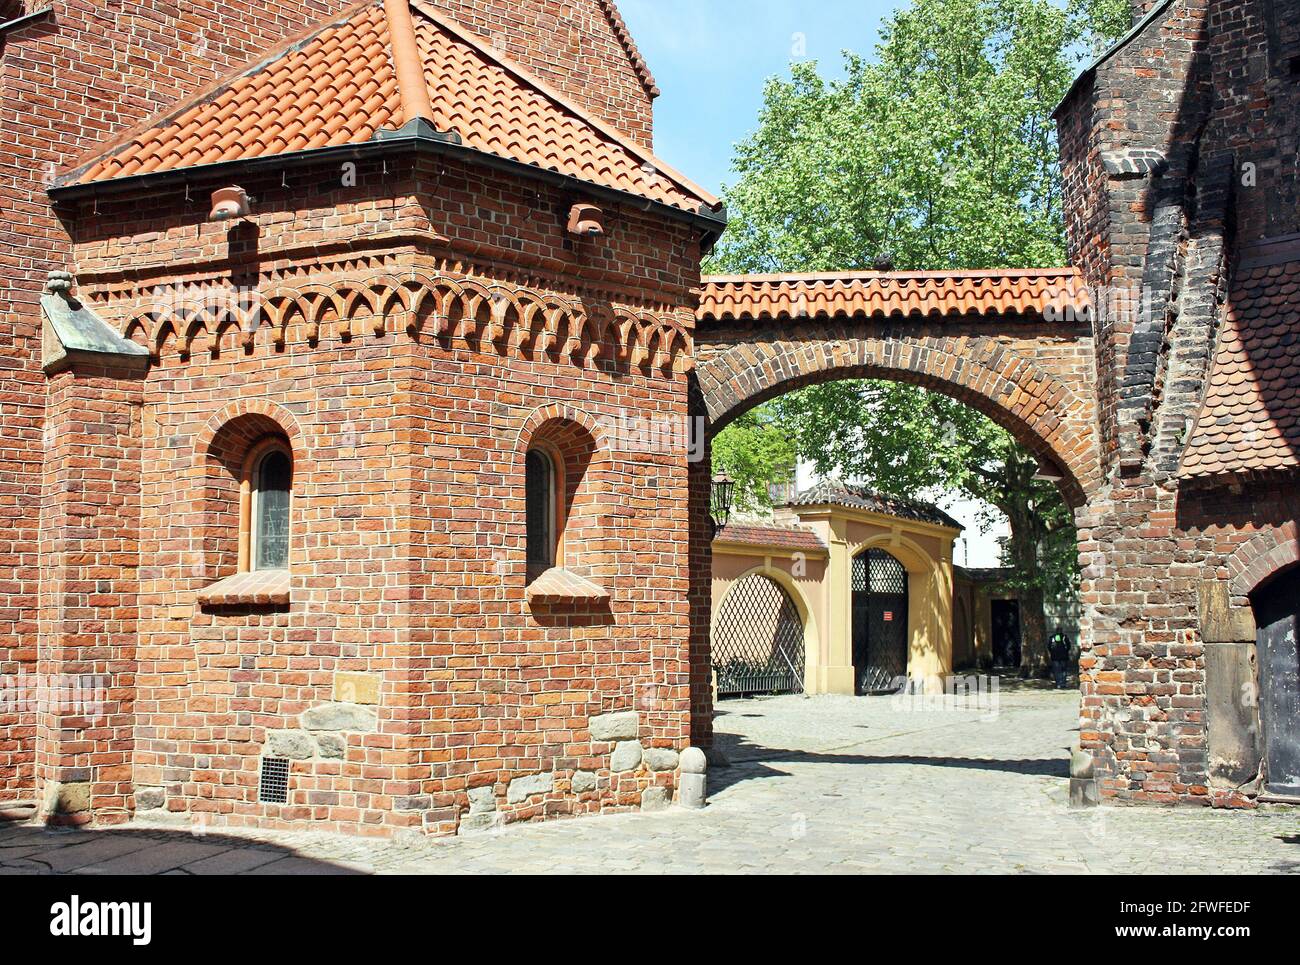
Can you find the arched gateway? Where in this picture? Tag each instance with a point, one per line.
(1016, 345)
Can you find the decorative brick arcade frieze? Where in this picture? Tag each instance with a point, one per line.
(490, 315)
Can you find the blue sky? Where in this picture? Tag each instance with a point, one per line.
(710, 58)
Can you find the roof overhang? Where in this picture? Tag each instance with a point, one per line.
(709, 222)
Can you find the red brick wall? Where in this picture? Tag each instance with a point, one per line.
(1208, 86)
(69, 82)
(408, 548)
(90, 529)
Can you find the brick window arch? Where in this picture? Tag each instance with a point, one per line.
(563, 476)
(250, 466)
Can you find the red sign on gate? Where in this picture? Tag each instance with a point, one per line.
(889, 616)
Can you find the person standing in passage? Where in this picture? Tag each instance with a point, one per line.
(1058, 649)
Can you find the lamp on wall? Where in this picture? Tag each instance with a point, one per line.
(586, 221)
(231, 202)
(720, 500)
(1048, 471)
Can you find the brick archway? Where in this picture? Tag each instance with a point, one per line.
(1007, 344)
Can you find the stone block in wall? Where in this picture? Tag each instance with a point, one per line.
(333, 746)
(661, 759)
(1221, 622)
(150, 798)
(351, 717)
(1232, 714)
(522, 788)
(655, 799)
(619, 726)
(626, 756)
(296, 745)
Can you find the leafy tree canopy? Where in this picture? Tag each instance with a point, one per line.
(940, 153)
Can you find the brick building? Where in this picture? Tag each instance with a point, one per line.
(330, 335)
(1179, 157)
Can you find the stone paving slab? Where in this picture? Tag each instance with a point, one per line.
(816, 785)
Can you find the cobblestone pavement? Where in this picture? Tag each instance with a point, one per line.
(823, 784)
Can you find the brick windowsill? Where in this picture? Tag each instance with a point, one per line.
(558, 585)
(257, 588)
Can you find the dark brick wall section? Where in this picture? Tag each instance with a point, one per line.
(1179, 152)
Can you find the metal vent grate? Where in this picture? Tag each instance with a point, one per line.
(758, 640)
(273, 788)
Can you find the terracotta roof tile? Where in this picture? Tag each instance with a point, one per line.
(1250, 420)
(831, 492)
(337, 86)
(770, 534)
(1031, 291)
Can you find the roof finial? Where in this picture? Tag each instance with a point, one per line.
(58, 282)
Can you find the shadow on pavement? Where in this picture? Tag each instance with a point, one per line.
(30, 849)
(747, 761)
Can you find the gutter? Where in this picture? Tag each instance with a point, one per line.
(414, 138)
(24, 20)
(1088, 72)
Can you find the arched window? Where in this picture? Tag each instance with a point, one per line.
(540, 503)
(268, 479)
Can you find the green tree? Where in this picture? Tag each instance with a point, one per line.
(939, 153)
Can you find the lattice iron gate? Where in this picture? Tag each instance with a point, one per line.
(757, 644)
(879, 622)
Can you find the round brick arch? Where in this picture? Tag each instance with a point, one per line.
(1036, 407)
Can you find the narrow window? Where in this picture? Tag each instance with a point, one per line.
(271, 481)
(539, 483)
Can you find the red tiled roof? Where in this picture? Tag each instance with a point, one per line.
(832, 492)
(1029, 291)
(768, 534)
(337, 86)
(1250, 420)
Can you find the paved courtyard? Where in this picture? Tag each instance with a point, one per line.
(824, 784)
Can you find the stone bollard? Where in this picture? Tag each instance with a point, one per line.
(1083, 785)
(694, 780)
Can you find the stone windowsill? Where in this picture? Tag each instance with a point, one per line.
(256, 588)
(558, 585)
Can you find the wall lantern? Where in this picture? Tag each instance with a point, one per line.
(1048, 471)
(227, 203)
(720, 499)
(586, 221)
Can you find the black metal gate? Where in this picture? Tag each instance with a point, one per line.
(757, 642)
(879, 622)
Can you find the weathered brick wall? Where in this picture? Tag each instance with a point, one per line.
(89, 544)
(1155, 151)
(71, 81)
(408, 551)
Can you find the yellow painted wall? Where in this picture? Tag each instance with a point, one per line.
(822, 589)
